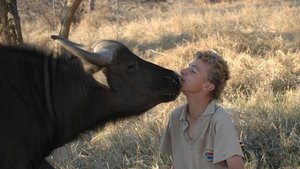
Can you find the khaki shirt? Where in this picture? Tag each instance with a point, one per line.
(216, 139)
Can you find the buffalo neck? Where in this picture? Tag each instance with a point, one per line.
(79, 102)
(68, 89)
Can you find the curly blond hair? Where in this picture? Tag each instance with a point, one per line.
(218, 73)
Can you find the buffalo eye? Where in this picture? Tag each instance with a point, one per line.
(131, 66)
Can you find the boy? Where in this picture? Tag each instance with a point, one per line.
(200, 134)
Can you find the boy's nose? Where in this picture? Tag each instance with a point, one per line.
(183, 71)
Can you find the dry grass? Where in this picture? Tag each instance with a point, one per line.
(259, 39)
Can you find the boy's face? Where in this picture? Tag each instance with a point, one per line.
(195, 78)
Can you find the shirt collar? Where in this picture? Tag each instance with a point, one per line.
(210, 109)
(184, 112)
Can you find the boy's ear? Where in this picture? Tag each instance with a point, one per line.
(209, 87)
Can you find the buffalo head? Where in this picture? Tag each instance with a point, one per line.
(135, 84)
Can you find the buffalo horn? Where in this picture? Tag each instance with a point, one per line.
(100, 58)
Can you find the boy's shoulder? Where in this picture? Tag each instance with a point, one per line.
(222, 114)
(221, 111)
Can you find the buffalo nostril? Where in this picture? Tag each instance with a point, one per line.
(177, 79)
(179, 82)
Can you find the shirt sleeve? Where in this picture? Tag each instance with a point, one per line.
(226, 142)
(166, 144)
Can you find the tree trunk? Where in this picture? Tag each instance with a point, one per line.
(91, 5)
(10, 27)
(70, 8)
(68, 16)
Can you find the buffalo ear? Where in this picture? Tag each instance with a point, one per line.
(92, 69)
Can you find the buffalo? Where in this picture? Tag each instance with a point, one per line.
(47, 101)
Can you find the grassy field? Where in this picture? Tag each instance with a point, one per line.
(260, 39)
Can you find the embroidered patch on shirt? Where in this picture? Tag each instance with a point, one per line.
(209, 155)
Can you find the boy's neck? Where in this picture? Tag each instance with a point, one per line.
(197, 106)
